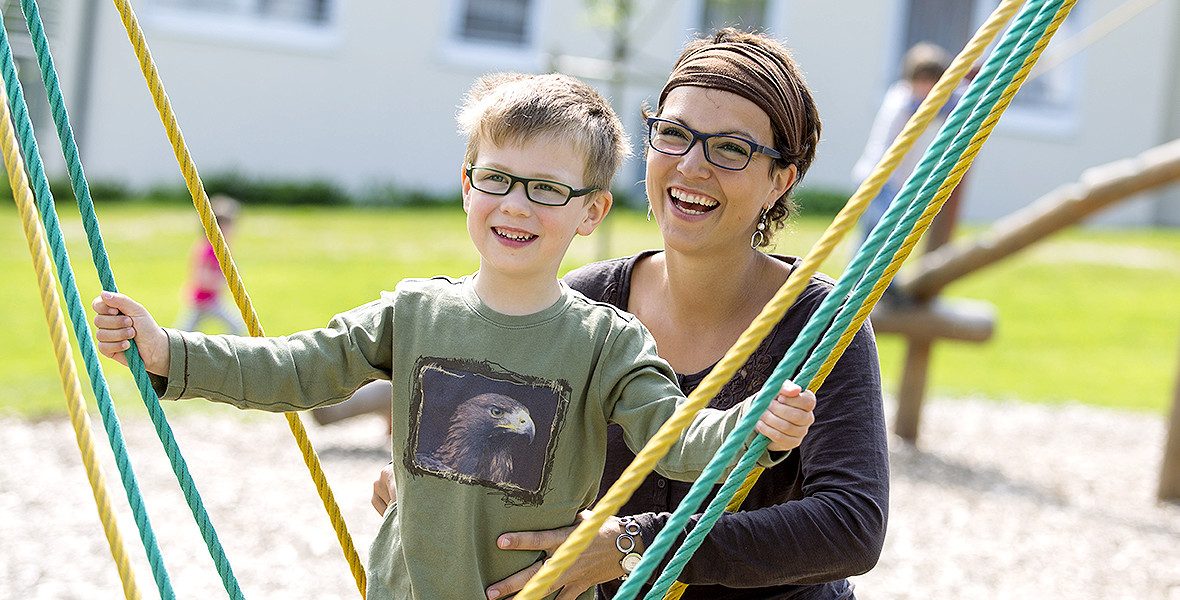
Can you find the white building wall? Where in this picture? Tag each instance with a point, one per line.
(848, 52)
(339, 105)
(1122, 103)
(371, 100)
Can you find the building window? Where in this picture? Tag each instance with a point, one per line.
(744, 14)
(501, 22)
(1046, 99)
(948, 24)
(292, 11)
(305, 25)
(499, 34)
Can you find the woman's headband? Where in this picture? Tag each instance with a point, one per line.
(756, 75)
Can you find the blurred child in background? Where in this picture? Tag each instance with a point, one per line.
(201, 295)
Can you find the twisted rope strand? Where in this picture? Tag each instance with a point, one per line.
(944, 192)
(65, 135)
(76, 404)
(872, 185)
(818, 323)
(74, 306)
(998, 105)
(879, 262)
(954, 164)
(106, 277)
(233, 278)
(735, 503)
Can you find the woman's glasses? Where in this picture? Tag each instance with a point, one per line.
(726, 151)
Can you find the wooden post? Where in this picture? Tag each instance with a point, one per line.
(1170, 472)
(1097, 188)
(943, 227)
(912, 389)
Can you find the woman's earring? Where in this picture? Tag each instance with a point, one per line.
(759, 237)
(649, 211)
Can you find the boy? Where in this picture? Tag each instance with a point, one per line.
(503, 381)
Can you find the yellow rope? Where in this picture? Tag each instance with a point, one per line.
(79, 417)
(237, 288)
(911, 241)
(771, 314)
(944, 191)
(869, 189)
(678, 587)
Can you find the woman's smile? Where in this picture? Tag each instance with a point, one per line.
(691, 203)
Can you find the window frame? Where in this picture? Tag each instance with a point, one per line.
(1052, 120)
(1046, 121)
(703, 7)
(245, 29)
(481, 55)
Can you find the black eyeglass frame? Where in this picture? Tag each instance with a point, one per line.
(755, 147)
(524, 182)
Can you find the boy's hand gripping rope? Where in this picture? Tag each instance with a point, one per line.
(237, 288)
(77, 313)
(79, 417)
(106, 277)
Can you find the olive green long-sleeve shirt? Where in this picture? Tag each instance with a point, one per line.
(499, 421)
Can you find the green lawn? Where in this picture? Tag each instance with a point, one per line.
(1089, 315)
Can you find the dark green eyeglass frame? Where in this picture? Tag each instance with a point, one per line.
(571, 193)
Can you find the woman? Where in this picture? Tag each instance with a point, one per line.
(734, 131)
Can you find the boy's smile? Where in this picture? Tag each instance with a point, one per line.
(513, 235)
(521, 242)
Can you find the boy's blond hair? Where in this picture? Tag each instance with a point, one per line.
(507, 108)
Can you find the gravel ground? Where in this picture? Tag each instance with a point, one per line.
(999, 500)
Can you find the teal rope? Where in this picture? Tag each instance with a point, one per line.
(106, 277)
(884, 258)
(64, 133)
(865, 282)
(859, 296)
(69, 286)
(916, 202)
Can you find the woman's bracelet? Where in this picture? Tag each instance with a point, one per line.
(626, 544)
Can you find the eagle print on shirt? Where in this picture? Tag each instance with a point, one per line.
(478, 424)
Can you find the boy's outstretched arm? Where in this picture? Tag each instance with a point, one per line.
(119, 319)
(788, 417)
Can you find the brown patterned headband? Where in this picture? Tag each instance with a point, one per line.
(756, 75)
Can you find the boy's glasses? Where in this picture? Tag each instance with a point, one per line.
(541, 191)
(726, 151)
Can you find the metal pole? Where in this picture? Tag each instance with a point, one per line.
(88, 26)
